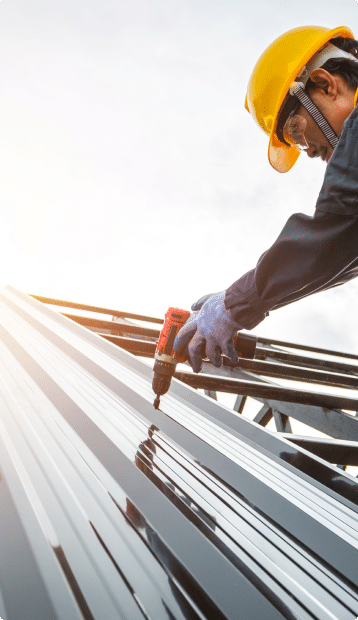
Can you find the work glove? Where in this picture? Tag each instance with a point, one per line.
(197, 305)
(209, 332)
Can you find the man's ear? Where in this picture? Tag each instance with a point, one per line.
(324, 81)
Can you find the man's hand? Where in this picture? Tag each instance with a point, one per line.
(209, 332)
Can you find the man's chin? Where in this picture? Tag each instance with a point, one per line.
(328, 156)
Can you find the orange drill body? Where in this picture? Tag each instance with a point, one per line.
(165, 358)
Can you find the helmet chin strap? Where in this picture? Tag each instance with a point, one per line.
(297, 89)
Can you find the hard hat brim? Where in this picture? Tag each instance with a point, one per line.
(281, 156)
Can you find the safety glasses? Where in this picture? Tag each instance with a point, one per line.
(294, 131)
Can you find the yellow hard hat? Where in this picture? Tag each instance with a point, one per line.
(272, 77)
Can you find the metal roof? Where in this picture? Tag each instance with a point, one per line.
(110, 509)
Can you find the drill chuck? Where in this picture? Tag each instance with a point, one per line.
(163, 372)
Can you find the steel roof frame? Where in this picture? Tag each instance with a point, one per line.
(274, 359)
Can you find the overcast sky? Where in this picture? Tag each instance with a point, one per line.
(131, 175)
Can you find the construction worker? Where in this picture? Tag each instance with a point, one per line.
(302, 93)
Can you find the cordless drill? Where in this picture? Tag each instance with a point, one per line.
(166, 359)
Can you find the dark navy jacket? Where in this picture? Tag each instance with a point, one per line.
(312, 253)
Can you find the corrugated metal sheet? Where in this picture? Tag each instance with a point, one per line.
(110, 509)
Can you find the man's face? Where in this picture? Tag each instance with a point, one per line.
(335, 109)
(317, 142)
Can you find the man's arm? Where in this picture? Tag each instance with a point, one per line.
(312, 253)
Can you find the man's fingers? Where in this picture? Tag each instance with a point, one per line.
(213, 353)
(196, 350)
(229, 351)
(184, 335)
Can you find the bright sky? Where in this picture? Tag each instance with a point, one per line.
(131, 175)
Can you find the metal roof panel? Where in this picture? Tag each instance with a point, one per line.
(111, 509)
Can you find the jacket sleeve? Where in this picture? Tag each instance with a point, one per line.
(311, 254)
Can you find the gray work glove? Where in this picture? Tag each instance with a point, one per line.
(209, 332)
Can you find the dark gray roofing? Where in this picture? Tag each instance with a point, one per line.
(112, 510)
